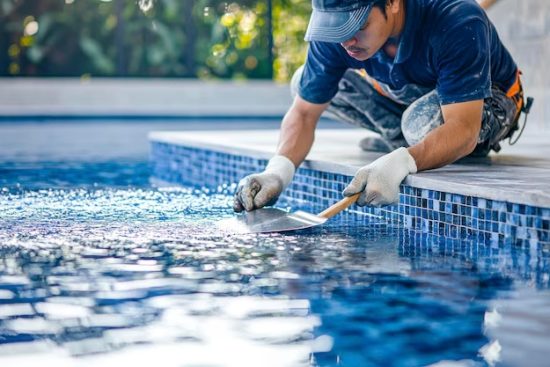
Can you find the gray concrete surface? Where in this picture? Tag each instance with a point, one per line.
(141, 97)
(519, 173)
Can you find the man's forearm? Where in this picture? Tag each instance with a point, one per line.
(298, 130)
(454, 139)
(443, 145)
(295, 140)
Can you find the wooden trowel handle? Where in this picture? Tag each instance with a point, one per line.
(339, 206)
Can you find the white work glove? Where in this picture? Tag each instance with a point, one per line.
(380, 180)
(260, 189)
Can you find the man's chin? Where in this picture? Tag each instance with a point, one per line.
(361, 55)
(363, 58)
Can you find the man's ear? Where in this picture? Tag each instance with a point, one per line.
(394, 6)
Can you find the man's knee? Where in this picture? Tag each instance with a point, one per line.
(295, 81)
(421, 117)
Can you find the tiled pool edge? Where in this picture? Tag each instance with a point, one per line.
(448, 214)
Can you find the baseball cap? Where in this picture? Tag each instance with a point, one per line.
(336, 20)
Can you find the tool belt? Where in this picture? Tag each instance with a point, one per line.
(515, 93)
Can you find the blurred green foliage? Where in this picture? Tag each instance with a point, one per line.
(152, 38)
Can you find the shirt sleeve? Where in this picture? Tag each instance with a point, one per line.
(323, 70)
(463, 62)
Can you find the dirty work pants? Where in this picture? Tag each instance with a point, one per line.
(359, 103)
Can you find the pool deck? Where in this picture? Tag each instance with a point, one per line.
(518, 174)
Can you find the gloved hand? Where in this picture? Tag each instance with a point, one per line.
(260, 189)
(380, 180)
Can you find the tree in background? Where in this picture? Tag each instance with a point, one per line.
(289, 27)
(152, 38)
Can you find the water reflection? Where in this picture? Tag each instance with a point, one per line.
(118, 276)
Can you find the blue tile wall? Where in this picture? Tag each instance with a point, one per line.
(445, 214)
(531, 264)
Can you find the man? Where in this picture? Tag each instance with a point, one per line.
(430, 76)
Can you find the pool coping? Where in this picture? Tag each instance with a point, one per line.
(422, 180)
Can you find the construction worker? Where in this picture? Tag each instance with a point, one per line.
(431, 77)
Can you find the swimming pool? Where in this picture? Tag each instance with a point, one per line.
(100, 266)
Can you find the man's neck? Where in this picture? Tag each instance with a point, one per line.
(399, 21)
(390, 48)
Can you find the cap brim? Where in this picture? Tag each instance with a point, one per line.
(336, 27)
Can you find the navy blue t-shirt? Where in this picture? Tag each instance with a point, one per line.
(447, 45)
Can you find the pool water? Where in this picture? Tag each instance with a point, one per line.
(101, 266)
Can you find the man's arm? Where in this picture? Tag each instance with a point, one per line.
(379, 181)
(296, 138)
(298, 129)
(454, 139)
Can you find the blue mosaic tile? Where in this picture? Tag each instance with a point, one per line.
(450, 215)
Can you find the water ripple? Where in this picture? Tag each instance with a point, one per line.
(122, 275)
